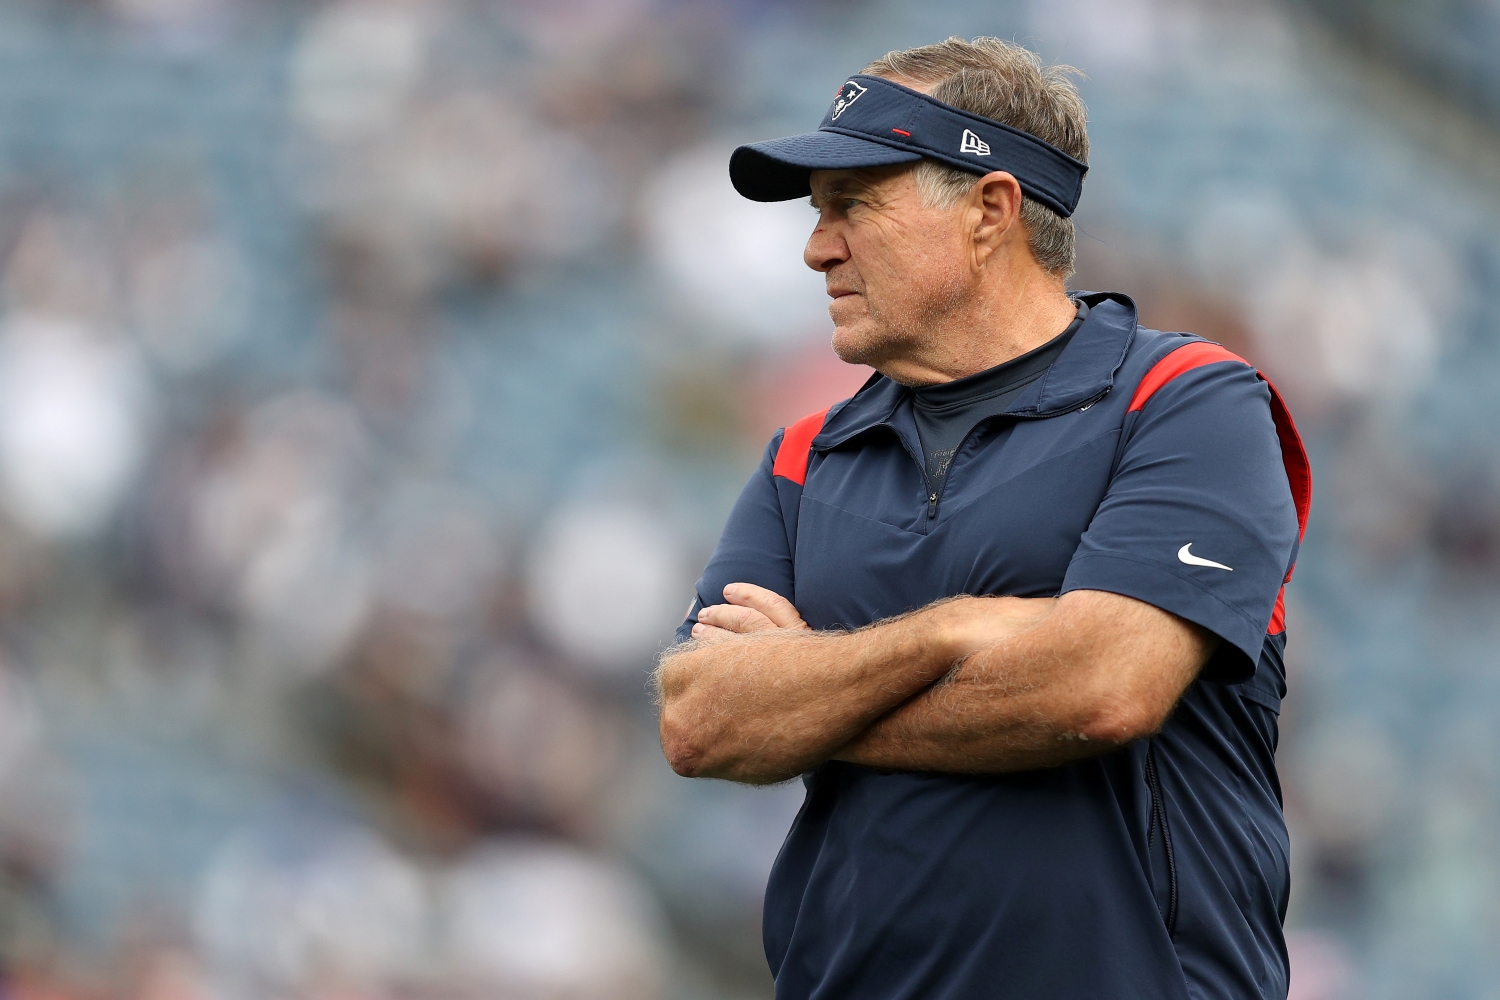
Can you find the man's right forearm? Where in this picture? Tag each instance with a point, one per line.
(767, 706)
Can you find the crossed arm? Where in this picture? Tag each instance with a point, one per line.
(968, 685)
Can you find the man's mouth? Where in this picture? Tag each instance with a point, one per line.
(838, 293)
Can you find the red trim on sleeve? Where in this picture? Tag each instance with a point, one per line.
(1278, 613)
(791, 459)
(1294, 456)
(1293, 452)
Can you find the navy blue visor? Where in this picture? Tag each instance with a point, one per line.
(874, 123)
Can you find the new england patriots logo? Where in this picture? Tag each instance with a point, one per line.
(847, 95)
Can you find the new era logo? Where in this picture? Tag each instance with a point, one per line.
(847, 95)
(972, 144)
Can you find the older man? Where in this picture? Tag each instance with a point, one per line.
(1013, 610)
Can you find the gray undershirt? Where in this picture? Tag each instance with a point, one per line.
(948, 411)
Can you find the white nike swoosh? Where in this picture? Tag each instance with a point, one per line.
(1185, 554)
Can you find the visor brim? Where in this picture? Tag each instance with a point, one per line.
(777, 169)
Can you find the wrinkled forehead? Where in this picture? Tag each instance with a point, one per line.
(826, 184)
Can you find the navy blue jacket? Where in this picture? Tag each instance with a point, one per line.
(1143, 463)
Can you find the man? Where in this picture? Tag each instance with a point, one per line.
(1012, 611)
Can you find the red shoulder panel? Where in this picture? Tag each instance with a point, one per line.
(1184, 359)
(791, 460)
(1293, 453)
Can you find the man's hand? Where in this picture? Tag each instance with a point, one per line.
(759, 697)
(750, 609)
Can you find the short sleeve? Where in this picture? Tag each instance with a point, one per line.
(754, 547)
(1198, 518)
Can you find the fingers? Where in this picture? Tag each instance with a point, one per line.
(734, 619)
(750, 609)
(780, 611)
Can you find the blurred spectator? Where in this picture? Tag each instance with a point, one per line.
(537, 919)
(1322, 968)
(71, 414)
(606, 583)
(72, 390)
(736, 264)
(437, 554)
(188, 293)
(538, 748)
(312, 907)
(271, 533)
(38, 813)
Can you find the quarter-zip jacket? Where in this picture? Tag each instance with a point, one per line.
(1156, 871)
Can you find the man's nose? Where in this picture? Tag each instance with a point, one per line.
(825, 249)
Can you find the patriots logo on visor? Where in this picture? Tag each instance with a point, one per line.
(847, 95)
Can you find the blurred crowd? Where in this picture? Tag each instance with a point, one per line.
(376, 374)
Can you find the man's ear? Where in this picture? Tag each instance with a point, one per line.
(995, 204)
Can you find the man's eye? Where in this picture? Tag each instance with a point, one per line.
(851, 202)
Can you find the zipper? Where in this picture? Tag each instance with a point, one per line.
(934, 497)
(1159, 830)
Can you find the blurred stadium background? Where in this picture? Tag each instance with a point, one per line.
(375, 376)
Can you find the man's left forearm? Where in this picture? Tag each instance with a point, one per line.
(972, 722)
(1101, 672)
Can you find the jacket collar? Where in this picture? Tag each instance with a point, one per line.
(1084, 371)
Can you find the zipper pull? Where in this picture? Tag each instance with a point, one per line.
(932, 499)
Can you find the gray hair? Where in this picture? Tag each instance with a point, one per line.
(1008, 83)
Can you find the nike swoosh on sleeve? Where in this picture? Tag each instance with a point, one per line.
(1185, 554)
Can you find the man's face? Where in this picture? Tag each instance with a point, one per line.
(894, 266)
